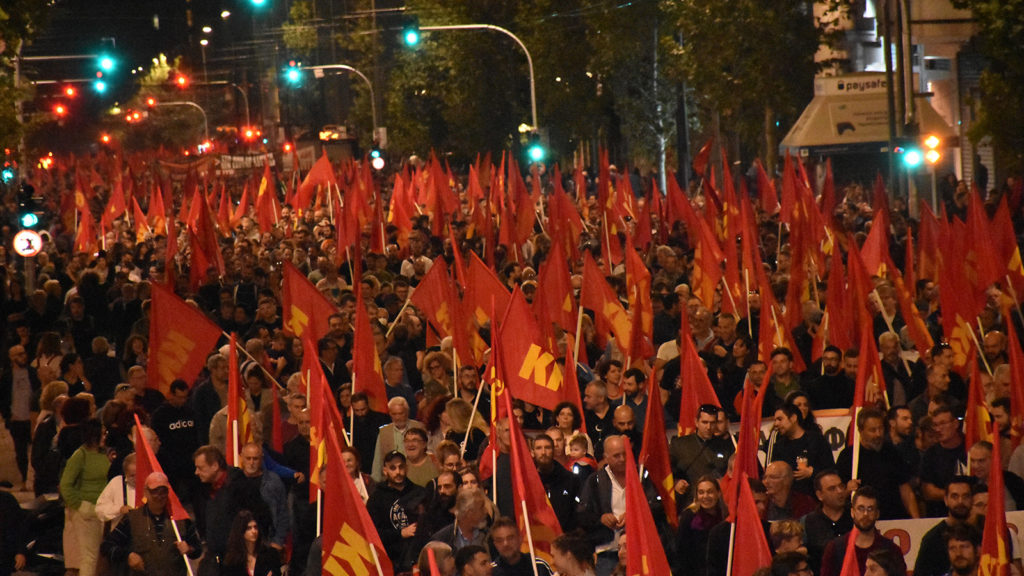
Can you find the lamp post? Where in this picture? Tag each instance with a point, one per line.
(529, 59)
(206, 128)
(318, 72)
(245, 97)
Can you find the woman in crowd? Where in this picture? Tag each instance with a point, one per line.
(83, 480)
(364, 482)
(695, 524)
(573, 555)
(48, 357)
(464, 419)
(247, 553)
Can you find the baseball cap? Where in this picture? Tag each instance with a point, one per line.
(393, 455)
(156, 480)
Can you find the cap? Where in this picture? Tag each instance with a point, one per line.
(393, 455)
(122, 387)
(156, 480)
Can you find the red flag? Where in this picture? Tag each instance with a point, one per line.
(351, 544)
(320, 174)
(239, 424)
(316, 388)
(534, 513)
(145, 464)
(695, 385)
(115, 204)
(243, 206)
(532, 375)
(85, 239)
(638, 295)
(367, 376)
(700, 161)
(142, 228)
(554, 302)
(645, 556)
(869, 377)
(483, 289)
(749, 534)
(180, 338)
(266, 198)
(303, 305)
(157, 214)
(851, 567)
(609, 315)
(995, 550)
(654, 456)
(977, 420)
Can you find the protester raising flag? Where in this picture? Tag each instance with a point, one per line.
(145, 464)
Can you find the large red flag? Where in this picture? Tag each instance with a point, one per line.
(638, 296)
(145, 464)
(532, 375)
(755, 552)
(645, 555)
(180, 338)
(304, 306)
(850, 567)
(695, 385)
(320, 174)
(654, 455)
(609, 315)
(553, 302)
(351, 545)
(367, 376)
(995, 550)
(316, 387)
(534, 513)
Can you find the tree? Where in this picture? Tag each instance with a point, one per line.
(20, 21)
(1000, 110)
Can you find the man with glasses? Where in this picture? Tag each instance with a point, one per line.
(942, 461)
(866, 538)
(701, 452)
(145, 539)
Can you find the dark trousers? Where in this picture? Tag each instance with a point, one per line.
(21, 432)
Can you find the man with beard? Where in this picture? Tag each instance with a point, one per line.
(367, 424)
(864, 510)
(962, 549)
(633, 386)
(392, 509)
(559, 483)
(624, 423)
(830, 388)
(881, 466)
(931, 557)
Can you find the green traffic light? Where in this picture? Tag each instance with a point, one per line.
(100, 86)
(535, 152)
(8, 174)
(293, 75)
(412, 37)
(912, 158)
(107, 63)
(29, 220)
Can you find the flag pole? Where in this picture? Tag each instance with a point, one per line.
(732, 543)
(977, 345)
(888, 322)
(579, 327)
(725, 288)
(319, 509)
(177, 534)
(529, 535)
(469, 426)
(856, 445)
(1013, 294)
(234, 440)
(746, 282)
(397, 317)
(376, 559)
(257, 362)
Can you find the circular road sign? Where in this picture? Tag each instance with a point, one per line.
(27, 243)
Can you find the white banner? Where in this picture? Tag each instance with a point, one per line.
(908, 533)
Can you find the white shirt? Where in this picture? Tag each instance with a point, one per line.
(108, 505)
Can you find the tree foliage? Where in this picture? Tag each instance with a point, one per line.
(20, 21)
(1000, 110)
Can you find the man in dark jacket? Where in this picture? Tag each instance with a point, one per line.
(175, 425)
(559, 483)
(225, 493)
(19, 386)
(392, 508)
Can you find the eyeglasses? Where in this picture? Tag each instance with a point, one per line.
(865, 509)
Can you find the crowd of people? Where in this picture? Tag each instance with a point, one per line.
(74, 379)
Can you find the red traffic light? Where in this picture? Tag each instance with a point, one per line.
(181, 80)
(105, 138)
(287, 146)
(60, 110)
(150, 101)
(70, 91)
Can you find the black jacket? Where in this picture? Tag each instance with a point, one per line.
(391, 510)
(215, 511)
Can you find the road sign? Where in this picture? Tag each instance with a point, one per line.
(27, 243)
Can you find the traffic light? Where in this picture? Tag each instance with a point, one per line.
(411, 31)
(181, 81)
(535, 150)
(60, 110)
(70, 91)
(105, 65)
(28, 207)
(377, 157)
(100, 86)
(931, 144)
(8, 173)
(293, 74)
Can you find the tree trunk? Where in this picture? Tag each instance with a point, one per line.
(771, 152)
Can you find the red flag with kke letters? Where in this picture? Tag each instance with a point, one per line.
(531, 373)
(654, 456)
(146, 464)
(351, 544)
(180, 338)
(645, 556)
(304, 306)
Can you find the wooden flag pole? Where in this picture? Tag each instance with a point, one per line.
(746, 283)
(265, 371)
(732, 543)
(177, 534)
(376, 559)
(856, 445)
(469, 426)
(529, 536)
(977, 345)
(888, 322)
(397, 318)
(579, 328)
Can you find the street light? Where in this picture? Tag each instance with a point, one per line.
(206, 129)
(318, 72)
(529, 60)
